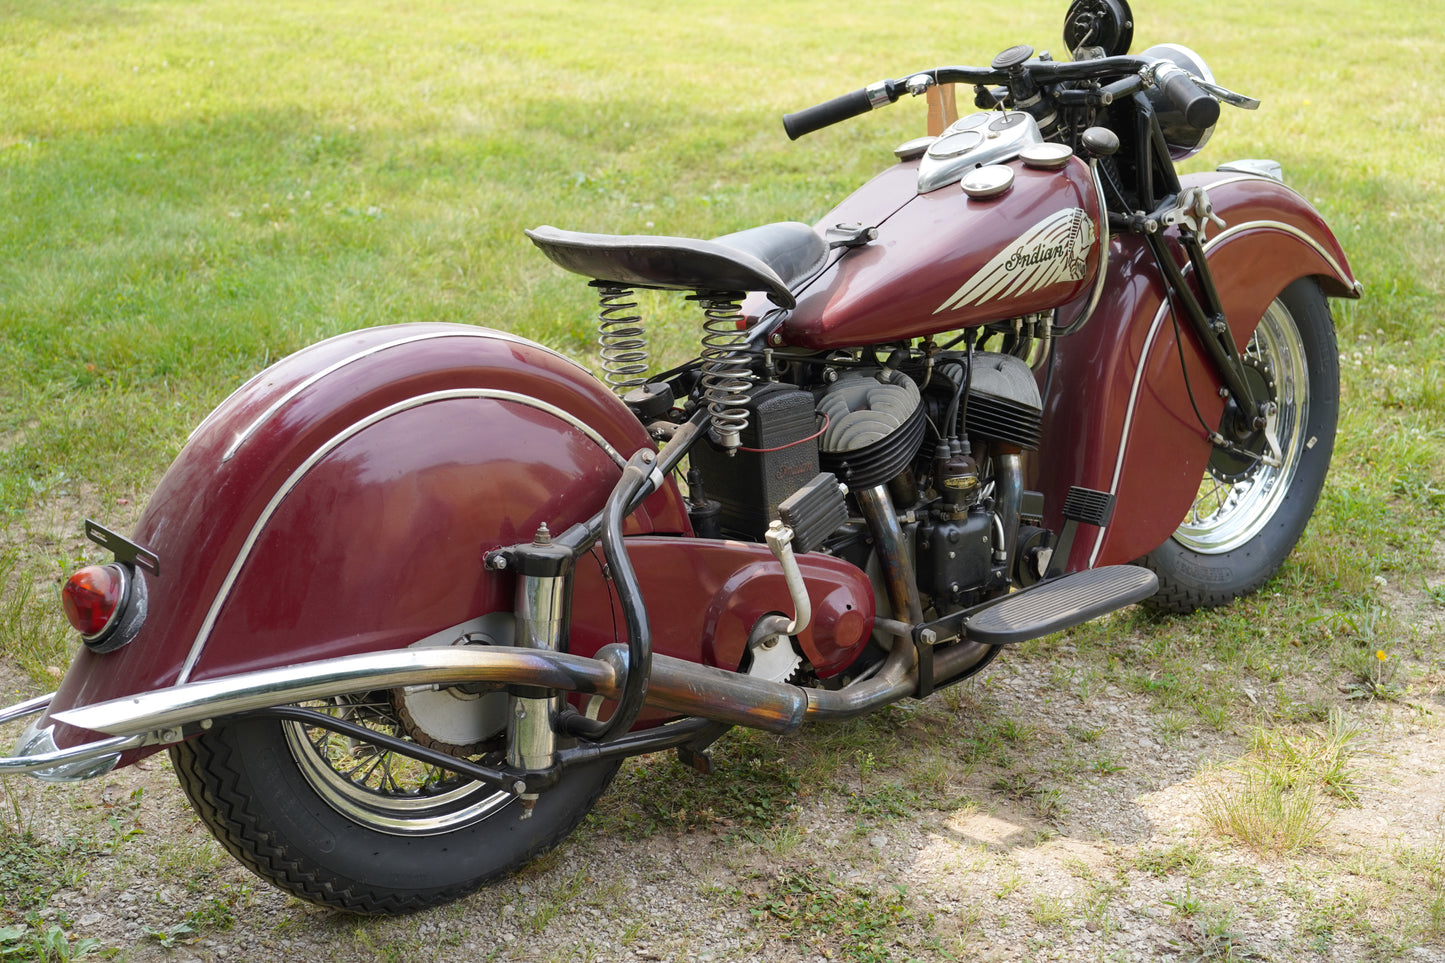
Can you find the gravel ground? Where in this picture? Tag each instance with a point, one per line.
(1076, 834)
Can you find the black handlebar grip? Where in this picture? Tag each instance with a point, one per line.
(1200, 110)
(823, 115)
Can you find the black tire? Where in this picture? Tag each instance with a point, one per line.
(400, 849)
(1248, 515)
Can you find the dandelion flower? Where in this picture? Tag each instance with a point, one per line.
(1381, 654)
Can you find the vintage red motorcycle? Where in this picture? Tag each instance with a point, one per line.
(407, 598)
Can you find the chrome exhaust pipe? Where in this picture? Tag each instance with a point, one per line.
(675, 685)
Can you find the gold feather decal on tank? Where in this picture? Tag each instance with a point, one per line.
(1053, 251)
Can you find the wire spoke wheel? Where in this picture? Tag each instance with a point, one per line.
(347, 823)
(382, 789)
(1236, 501)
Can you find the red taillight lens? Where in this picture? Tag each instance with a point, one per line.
(91, 598)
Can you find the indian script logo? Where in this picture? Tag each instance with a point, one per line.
(1052, 251)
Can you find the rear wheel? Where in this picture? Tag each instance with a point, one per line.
(1249, 514)
(344, 823)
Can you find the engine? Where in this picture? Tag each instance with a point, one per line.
(941, 432)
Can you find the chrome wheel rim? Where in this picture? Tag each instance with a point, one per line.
(1230, 511)
(380, 790)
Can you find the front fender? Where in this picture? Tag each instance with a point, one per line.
(1119, 417)
(342, 501)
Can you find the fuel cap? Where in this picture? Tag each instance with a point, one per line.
(990, 181)
(1046, 157)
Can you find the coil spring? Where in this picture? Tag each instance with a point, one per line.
(726, 377)
(621, 337)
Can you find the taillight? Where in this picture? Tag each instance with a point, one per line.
(105, 603)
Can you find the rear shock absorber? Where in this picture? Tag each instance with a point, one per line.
(726, 377)
(621, 337)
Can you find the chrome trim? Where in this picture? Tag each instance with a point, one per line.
(307, 382)
(1218, 239)
(223, 593)
(1287, 229)
(1102, 274)
(27, 708)
(37, 755)
(1128, 422)
(194, 702)
(1240, 178)
(1261, 167)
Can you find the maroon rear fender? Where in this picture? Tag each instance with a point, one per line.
(342, 502)
(1135, 433)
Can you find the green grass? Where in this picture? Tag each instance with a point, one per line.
(839, 920)
(190, 192)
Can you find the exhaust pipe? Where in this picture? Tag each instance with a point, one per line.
(675, 685)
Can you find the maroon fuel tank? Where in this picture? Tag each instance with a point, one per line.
(342, 501)
(944, 260)
(1120, 417)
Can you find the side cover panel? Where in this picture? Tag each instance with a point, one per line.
(1119, 417)
(704, 596)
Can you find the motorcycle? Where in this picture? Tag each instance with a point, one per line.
(405, 601)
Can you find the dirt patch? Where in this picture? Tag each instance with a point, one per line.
(1120, 864)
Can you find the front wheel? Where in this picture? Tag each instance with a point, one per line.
(342, 823)
(1248, 514)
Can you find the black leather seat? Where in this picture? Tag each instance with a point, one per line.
(775, 259)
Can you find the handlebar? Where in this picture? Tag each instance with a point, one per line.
(839, 109)
(1199, 108)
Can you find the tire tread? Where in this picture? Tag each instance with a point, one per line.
(212, 781)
